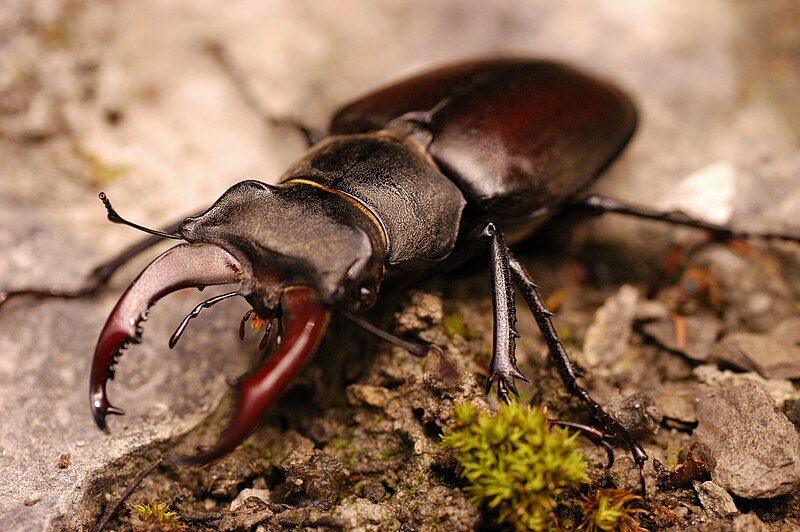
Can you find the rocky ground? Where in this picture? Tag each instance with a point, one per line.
(691, 343)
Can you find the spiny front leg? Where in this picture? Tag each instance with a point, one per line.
(503, 368)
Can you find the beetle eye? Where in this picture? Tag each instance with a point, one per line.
(367, 296)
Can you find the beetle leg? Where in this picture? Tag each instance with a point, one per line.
(503, 367)
(243, 322)
(97, 279)
(220, 55)
(597, 436)
(568, 371)
(602, 205)
(304, 321)
(183, 266)
(416, 349)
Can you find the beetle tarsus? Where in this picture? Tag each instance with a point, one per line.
(264, 339)
(243, 322)
(502, 388)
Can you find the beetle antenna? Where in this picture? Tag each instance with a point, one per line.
(117, 219)
(196, 312)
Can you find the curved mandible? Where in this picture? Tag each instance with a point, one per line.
(186, 265)
(304, 322)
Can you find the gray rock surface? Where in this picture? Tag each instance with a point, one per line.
(780, 390)
(676, 401)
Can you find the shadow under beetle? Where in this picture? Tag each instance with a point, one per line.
(411, 179)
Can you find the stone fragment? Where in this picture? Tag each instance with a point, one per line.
(362, 513)
(715, 500)
(261, 494)
(33, 498)
(754, 298)
(749, 522)
(367, 394)
(692, 336)
(781, 390)
(625, 475)
(774, 355)
(317, 477)
(608, 336)
(251, 511)
(424, 309)
(638, 413)
(651, 309)
(374, 491)
(64, 460)
(755, 447)
(676, 401)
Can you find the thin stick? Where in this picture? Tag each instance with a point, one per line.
(135, 484)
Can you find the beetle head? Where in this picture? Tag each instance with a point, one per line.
(293, 235)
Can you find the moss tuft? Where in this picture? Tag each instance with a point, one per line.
(515, 462)
(611, 509)
(158, 514)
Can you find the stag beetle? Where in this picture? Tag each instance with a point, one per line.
(411, 178)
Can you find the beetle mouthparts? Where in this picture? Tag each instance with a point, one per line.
(184, 266)
(304, 320)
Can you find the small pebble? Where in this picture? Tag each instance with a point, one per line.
(64, 460)
(33, 498)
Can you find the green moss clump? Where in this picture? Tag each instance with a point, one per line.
(611, 509)
(158, 514)
(515, 462)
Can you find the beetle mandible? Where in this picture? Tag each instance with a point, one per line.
(410, 179)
